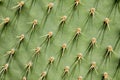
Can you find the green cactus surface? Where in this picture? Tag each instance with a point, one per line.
(60, 40)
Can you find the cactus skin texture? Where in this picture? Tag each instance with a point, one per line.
(59, 39)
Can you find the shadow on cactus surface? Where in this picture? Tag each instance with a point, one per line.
(59, 40)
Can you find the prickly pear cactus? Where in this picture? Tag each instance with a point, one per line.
(59, 40)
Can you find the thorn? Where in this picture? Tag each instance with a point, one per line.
(93, 65)
(64, 46)
(5, 67)
(6, 20)
(79, 56)
(50, 34)
(93, 41)
(37, 50)
(43, 75)
(35, 22)
(106, 22)
(65, 73)
(105, 75)
(63, 19)
(19, 5)
(12, 51)
(92, 11)
(66, 69)
(77, 2)
(50, 6)
(24, 78)
(21, 37)
(80, 78)
(28, 66)
(51, 60)
(78, 31)
(109, 48)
